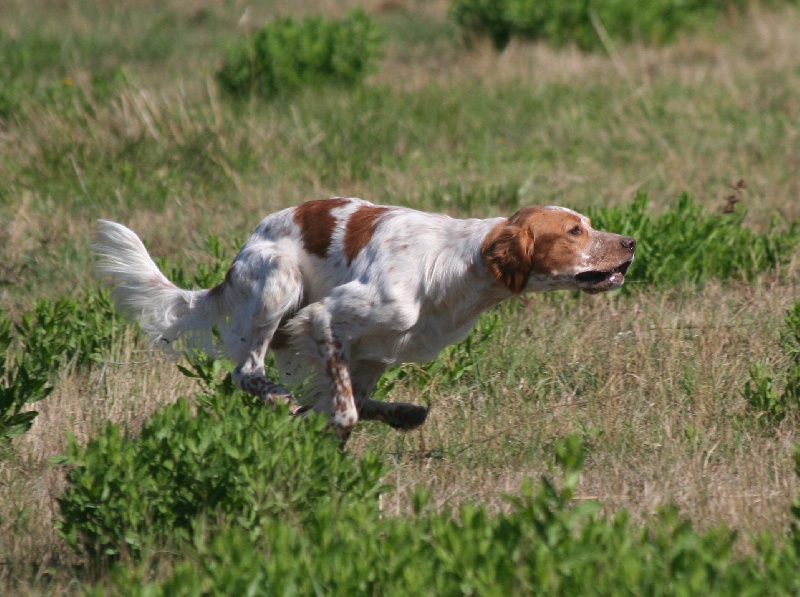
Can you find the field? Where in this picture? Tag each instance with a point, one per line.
(115, 112)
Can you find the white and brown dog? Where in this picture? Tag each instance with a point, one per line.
(341, 289)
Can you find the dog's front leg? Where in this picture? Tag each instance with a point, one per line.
(331, 354)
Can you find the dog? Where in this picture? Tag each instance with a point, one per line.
(342, 289)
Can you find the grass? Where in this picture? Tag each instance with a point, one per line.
(656, 397)
(160, 148)
(118, 117)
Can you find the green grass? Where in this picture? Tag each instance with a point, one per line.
(471, 149)
(102, 133)
(588, 25)
(113, 111)
(291, 54)
(545, 544)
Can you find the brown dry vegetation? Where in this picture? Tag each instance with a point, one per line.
(653, 385)
(652, 381)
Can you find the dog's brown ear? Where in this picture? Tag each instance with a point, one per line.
(508, 251)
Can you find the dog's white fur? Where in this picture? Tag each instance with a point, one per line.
(341, 289)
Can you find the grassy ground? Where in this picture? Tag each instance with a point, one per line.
(116, 115)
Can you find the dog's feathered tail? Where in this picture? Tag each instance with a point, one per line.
(175, 319)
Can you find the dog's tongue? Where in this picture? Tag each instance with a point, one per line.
(616, 278)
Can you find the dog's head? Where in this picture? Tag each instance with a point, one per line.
(554, 248)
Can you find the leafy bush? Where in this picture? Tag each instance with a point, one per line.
(773, 405)
(289, 54)
(546, 545)
(689, 244)
(579, 21)
(72, 331)
(22, 382)
(51, 333)
(484, 18)
(232, 461)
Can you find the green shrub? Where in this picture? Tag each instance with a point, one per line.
(486, 18)
(289, 54)
(69, 331)
(22, 382)
(547, 545)
(579, 21)
(772, 404)
(759, 392)
(232, 461)
(51, 334)
(689, 244)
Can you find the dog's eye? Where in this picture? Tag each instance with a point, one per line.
(575, 230)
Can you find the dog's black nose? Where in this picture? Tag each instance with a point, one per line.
(628, 243)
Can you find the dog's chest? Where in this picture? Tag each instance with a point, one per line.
(421, 343)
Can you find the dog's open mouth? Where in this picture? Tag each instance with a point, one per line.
(602, 280)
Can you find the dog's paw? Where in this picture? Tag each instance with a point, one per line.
(278, 395)
(405, 417)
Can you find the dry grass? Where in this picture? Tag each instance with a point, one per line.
(652, 382)
(124, 390)
(664, 419)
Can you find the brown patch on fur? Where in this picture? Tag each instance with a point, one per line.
(316, 224)
(360, 228)
(555, 249)
(560, 242)
(508, 251)
(551, 254)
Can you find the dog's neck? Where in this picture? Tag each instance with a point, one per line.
(458, 276)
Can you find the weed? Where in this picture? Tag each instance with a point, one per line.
(771, 404)
(289, 54)
(689, 244)
(111, 111)
(586, 22)
(547, 544)
(233, 460)
(69, 331)
(51, 335)
(760, 394)
(22, 382)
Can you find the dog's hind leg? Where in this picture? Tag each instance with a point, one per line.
(250, 376)
(264, 288)
(398, 415)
